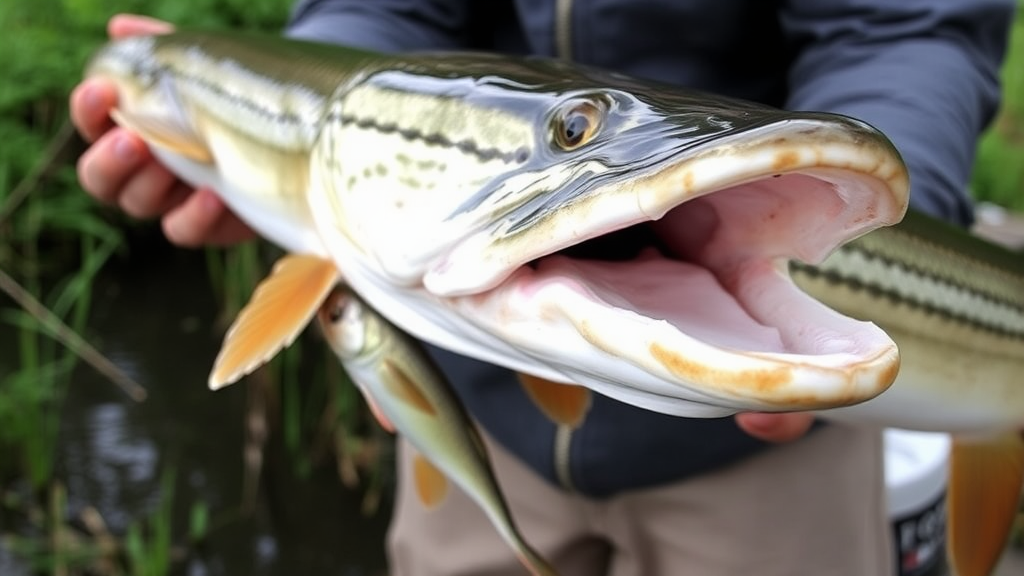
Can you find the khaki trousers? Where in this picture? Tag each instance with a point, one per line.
(814, 507)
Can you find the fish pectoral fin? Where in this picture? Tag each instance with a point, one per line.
(402, 386)
(166, 134)
(280, 308)
(564, 404)
(984, 491)
(431, 483)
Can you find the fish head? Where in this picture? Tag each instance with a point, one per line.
(588, 228)
(132, 66)
(348, 326)
(218, 123)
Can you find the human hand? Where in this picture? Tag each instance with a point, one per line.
(118, 167)
(775, 427)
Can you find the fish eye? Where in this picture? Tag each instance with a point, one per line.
(336, 313)
(336, 305)
(576, 123)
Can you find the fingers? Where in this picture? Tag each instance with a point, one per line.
(110, 162)
(202, 218)
(119, 168)
(775, 427)
(123, 25)
(115, 161)
(151, 192)
(91, 102)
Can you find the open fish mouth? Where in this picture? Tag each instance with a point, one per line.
(692, 311)
(495, 266)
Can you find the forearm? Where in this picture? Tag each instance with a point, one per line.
(925, 73)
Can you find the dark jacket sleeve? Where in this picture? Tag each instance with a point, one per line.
(924, 72)
(382, 25)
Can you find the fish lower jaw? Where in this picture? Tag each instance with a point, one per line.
(664, 334)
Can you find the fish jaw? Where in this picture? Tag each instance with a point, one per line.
(608, 327)
(731, 210)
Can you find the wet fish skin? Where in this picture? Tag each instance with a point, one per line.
(411, 396)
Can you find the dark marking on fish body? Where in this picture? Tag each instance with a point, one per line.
(410, 182)
(522, 155)
(468, 147)
(856, 284)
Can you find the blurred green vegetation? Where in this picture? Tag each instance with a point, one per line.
(52, 40)
(54, 239)
(999, 170)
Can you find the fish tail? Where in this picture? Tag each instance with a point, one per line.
(533, 561)
(528, 556)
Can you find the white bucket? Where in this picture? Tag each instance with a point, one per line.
(916, 473)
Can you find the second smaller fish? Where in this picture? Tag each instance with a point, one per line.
(409, 395)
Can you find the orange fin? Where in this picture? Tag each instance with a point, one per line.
(401, 385)
(984, 491)
(280, 307)
(564, 404)
(165, 134)
(431, 484)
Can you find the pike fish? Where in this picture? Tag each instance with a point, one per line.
(408, 393)
(582, 227)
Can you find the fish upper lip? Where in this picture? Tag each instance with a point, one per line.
(863, 168)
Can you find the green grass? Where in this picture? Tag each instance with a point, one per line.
(999, 172)
(54, 239)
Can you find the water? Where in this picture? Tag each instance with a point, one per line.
(155, 318)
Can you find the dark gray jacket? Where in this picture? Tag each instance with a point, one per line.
(925, 72)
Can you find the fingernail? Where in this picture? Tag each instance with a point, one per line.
(125, 149)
